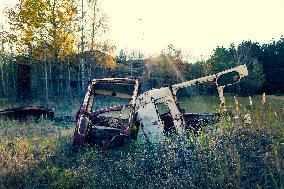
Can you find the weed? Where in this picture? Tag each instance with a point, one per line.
(231, 154)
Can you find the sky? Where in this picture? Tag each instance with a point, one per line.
(195, 26)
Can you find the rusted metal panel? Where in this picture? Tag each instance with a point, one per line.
(180, 122)
(241, 72)
(27, 113)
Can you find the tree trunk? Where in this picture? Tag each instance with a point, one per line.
(50, 77)
(2, 67)
(69, 76)
(79, 73)
(93, 24)
(90, 71)
(46, 83)
(131, 69)
(58, 80)
(82, 73)
(14, 80)
(93, 39)
(82, 49)
(3, 81)
(7, 80)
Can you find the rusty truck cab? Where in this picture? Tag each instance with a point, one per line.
(108, 114)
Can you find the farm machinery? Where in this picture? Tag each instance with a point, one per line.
(114, 109)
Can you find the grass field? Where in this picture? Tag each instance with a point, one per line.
(230, 155)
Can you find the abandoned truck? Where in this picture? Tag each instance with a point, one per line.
(113, 109)
(108, 113)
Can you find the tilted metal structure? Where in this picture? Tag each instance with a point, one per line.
(111, 125)
(155, 124)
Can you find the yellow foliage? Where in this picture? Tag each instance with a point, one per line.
(104, 54)
(44, 26)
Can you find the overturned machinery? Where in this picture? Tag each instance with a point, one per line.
(160, 112)
(114, 110)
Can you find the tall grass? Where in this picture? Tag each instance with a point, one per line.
(231, 154)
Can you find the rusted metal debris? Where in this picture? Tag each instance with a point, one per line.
(27, 113)
(110, 125)
(155, 124)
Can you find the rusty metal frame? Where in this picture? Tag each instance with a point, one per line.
(81, 136)
(153, 123)
(241, 70)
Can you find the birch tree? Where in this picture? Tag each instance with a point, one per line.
(3, 40)
(82, 45)
(44, 30)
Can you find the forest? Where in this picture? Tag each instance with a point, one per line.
(65, 44)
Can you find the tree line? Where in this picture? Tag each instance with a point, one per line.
(55, 33)
(265, 64)
(60, 33)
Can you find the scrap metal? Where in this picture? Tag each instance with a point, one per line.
(156, 125)
(27, 113)
(92, 127)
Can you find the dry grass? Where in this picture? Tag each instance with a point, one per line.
(230, 155)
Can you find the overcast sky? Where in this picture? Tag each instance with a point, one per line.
(196, 26)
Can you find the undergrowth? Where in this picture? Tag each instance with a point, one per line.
(231, 154)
